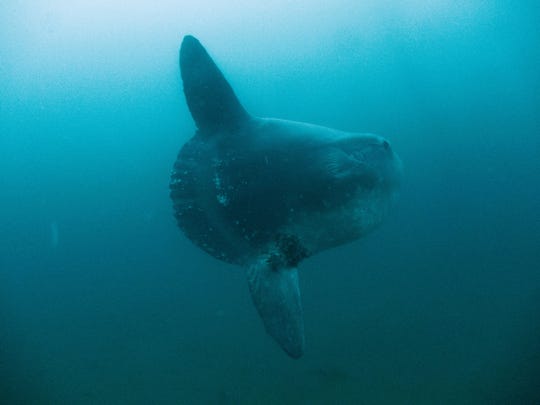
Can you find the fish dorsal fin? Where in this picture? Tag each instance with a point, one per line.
(209, 96)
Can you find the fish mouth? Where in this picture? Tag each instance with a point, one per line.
(371, 169)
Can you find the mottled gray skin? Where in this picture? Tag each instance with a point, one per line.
(274, 178)
(267, 193)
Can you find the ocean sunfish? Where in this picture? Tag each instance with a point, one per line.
(267, 193)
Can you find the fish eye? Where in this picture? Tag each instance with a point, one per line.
(386, 145)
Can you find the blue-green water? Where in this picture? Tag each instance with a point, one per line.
(102, 298)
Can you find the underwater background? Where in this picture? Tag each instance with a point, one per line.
(104, 300)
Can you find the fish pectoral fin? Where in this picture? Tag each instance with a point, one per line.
(276, 294)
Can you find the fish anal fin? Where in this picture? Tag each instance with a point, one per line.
(276, 295)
